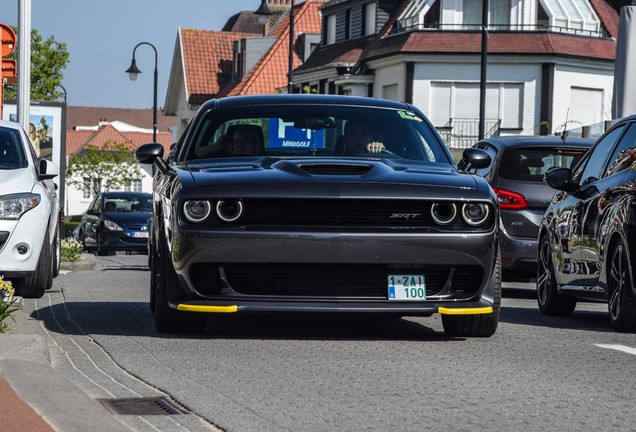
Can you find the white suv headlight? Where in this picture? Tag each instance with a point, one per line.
(12, 207)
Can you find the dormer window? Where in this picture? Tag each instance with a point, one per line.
(368, 18)
(330, 30)
(571, 14)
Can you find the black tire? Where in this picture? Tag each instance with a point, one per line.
(621, 302)
(99, 250)
(57, 253)
(548, 297)
(35, 285)
(153, 261)
(483, 325)
(167, 319)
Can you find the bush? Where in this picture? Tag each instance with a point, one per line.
(69, 227)
(71, 250)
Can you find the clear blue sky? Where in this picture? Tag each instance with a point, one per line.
(100, 37)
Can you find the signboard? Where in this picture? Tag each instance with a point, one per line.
(285, 135)
(47, 124)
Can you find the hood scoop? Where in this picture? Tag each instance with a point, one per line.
(335, 169)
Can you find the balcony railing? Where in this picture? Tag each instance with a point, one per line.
(404, 26)
(463, 133)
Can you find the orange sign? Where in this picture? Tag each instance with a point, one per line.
(8, 68)
(8, 39)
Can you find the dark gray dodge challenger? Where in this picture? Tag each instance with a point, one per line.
(319, 203)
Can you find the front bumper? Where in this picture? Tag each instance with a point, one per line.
(27, 232)
(223, 271)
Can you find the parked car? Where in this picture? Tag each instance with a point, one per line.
(306, 224)
(116, 221)
(29, 214)
(516, 175)
(588, 234)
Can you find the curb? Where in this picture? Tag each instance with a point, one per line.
(84, 263)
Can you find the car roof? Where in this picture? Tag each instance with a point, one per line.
(123, 193)
(303, 99)
(538, 141)
(9, 124)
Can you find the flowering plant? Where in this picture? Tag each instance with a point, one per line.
(71, 250)
(6, 302)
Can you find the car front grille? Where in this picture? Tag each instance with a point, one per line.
(331, 281)
(320, 212)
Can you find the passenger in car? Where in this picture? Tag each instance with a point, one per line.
(110, 206)
(358, 139)
(245, 142)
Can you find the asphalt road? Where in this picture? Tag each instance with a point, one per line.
(300, 373)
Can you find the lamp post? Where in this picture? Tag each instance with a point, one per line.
(483, 80)
(133, 71)
(263, 13)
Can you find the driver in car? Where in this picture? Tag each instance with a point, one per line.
(358, 139)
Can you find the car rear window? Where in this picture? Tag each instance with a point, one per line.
(531, 164)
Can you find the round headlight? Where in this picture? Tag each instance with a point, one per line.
(229, 210)
(475, 213)
(443, 213)
(196, 211)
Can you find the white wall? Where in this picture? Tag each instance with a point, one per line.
(568, 76)
(529, 75)
(389, 75)
(76, 205)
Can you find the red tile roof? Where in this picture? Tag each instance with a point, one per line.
(608, 15)
(207, 61)
(498, 43)
(77, 140)
(270, 73)
(92, 116)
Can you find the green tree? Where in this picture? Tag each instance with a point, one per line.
(110, 166)
(48, 59)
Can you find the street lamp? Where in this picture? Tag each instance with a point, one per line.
(133, 71)
(263, 13)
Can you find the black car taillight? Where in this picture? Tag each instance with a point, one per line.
(510, 200)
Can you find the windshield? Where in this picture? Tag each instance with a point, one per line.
(128, 203)
(11, 152)
(315, 131)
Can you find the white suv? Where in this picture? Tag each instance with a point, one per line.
(29, 214)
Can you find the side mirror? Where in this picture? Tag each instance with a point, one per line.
(559, 179)
(48, 170)
(153, 153)
(474, 158)
(147, 153)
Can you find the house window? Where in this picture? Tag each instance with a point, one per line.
(86, 189)
(368, 19)
(135, 186)
(390, 92)
(89, 186)
(347, 30)
(573, 15)
(498, 13)
(331, 29)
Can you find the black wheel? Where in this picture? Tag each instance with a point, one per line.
(99, 250)
(548, 297)
(153, 260)
(483, 325)
(167, 319)
(42, 278)
(621, 300)
(57, 253)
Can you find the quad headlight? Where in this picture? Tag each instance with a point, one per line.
(227, 210)
(474, 214)
(12, 207)
(197, 211)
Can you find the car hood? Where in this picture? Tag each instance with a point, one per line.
(123, 218)
(331, 177)
(16, 181)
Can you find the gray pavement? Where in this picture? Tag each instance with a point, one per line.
(26, 364)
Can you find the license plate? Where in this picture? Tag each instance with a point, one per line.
(406, 287)
(140, 234)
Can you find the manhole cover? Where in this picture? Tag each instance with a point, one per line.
(142, 406)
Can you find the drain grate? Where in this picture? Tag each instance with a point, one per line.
(142, 406)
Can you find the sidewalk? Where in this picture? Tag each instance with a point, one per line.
(35, 396)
